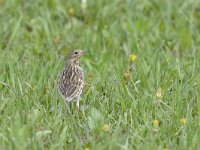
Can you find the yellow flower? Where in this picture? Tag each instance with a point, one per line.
(71, 11)
(106, 127)
(132, 58)
(159, 93)
(126, 76)
(156, 123)
(183, 121)
(86, 146)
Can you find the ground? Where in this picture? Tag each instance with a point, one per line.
(142, 74)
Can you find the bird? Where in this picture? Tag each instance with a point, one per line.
(70, 82)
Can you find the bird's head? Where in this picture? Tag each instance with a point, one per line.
(74, 56)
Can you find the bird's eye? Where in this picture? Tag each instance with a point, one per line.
(76, 52)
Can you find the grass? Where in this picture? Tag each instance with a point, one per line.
(144, 110)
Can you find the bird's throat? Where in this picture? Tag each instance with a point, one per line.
(72, 63)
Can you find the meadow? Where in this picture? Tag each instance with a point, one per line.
(142, 74)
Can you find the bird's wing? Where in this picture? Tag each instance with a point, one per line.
(69, 83)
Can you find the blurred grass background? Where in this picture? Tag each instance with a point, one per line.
(149, 103)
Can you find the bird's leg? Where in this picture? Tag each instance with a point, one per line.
(68, 109)
(73, 123)
(77, 102)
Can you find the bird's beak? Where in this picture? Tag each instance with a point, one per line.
(85, 52)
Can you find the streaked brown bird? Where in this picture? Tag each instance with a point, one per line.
(71, 78)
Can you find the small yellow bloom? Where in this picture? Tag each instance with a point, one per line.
(156, 123)
(126, 76)
(159, 93)
(86, 146)
(106, 127)
(132, 58)
(71, 11)
(183, 121)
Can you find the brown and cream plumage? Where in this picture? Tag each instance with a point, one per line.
(71, 78)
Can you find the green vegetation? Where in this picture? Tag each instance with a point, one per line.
(155, 105)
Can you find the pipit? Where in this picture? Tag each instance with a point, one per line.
(71, 78)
